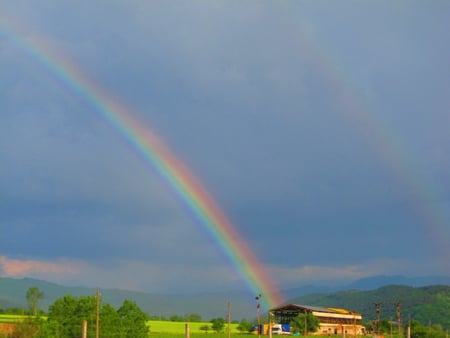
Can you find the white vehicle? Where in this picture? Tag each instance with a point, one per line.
(279, 329)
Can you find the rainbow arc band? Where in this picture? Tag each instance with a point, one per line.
(153, 150)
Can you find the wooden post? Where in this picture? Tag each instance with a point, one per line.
(229, 318)
(270, 324)
(84, 329)
(97, 316)
(186, 330)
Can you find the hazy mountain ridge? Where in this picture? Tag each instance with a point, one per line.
(368, 283)
(425, 303)
(356, 296)
(208, 305)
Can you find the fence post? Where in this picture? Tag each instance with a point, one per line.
(84, 329)
(186, 330)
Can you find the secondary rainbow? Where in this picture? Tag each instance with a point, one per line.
(162, 159)
(422, 192)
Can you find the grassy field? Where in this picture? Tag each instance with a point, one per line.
(157, 326)
(167, 329)
(4, 318)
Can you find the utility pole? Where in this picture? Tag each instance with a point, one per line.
(378, 313)
(229, 318)
(408, 335)
(258, 313)
(399, 318)
(97, 317)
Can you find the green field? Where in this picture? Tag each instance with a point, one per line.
(156, 326)
(159, 326)
(4, 318)
(168, 329)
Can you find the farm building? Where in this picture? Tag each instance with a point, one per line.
(332, 320)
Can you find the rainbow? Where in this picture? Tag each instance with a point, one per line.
(422, 191)
(173, 171)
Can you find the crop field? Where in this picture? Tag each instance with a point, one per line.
(159, 326)
(167, 328)
(5, 318)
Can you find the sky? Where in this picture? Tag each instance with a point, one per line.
(319, 128)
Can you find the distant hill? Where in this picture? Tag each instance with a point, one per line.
(425, 304)
(369, 283)
(416, 299)
(375, 282)
(208, 305)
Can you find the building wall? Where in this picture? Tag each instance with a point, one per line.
(331, 329)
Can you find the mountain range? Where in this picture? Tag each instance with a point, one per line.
(357, 296)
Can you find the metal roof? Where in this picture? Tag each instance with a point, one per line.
(301, 308)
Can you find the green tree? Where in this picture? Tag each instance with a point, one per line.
(311, 321)
(63, 317)
(110, 323)
(218, 324)
(205, 328)
(420, 331)
(193, 318)
(244, 326)
(134, 320)
(385, 326)
(67, 314)
(176, 318)
(34, 295)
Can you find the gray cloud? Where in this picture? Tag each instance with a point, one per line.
(319, 126)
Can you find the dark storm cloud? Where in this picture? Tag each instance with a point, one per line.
(320, 124)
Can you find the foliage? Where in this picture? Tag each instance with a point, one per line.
(244, 326)
(133, 320)
(27, 328)
(311, 321)
(34, 295)
(13, 311)
(218, 324)
(205, 328)
(110, 323)
(193, 318)
(157, 327)
(67, 314)
(421, 303)
(385, 326)
(420, 331)
(176, 318)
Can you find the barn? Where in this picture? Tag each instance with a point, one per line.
(332, 320)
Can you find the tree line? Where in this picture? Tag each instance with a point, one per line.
(66, 315)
